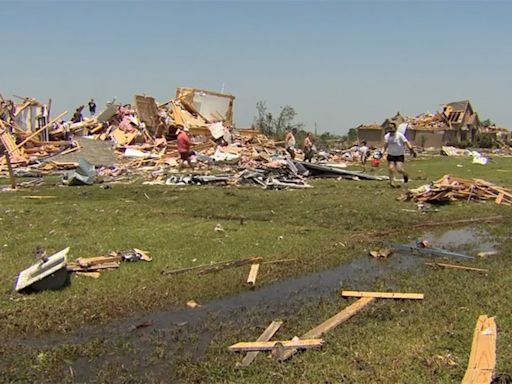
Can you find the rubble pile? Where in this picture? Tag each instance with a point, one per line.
(141, 140)
(450, 188)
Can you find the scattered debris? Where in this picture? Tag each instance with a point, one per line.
(265, 336)
(332, 323)
(295, 343)
(450, 188)
(219, 228)
(192, 304)
(49, 273)
(454, 266)
(39, 197)
(133, 254)
(485, 254)
(214, 267)
(253, 273)
(382, 253)
(94, 275)
(428, 251)
(384, 295)
(482, 360)
(144, 324)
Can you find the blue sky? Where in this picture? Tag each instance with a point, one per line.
(338, 63)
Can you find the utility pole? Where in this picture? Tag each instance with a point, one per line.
(315, 129)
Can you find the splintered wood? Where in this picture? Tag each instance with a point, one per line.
(265, 336)
(384, 295)
(253, 273)
(332, 323)
(482, 359)
(450, 188)
(269, 345)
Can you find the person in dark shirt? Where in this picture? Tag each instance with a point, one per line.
(77, 116)
(92, 107)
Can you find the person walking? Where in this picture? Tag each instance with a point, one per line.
(184, 147)
(290, 142)
(394, 145)
(364, 151)
(308, 147)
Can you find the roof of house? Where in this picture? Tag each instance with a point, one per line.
(459, 105)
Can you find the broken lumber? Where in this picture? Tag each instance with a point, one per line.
(253, 273)
(384, 295)
(39, 197)
(230, 264)
(265, 336)
(482, 359)
(461, 221)
(401, 248)
(87, 262)
(75, 267)
(332, 322)
(207, 268)
(457, 267)
(269, 345)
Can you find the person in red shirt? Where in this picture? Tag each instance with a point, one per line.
(184, 147)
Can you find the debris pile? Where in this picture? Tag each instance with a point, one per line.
(450, 188)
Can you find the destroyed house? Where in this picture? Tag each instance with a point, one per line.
(455, 124)
(461, 117)
(211, 106)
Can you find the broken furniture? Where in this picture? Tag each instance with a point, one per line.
(50, 273)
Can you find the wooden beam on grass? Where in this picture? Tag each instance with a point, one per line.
(384, 295)
(265, 336)
(332, 322)
(270, 345)
(207, 268)
(482, 359)
(457, 267)
(253, 273)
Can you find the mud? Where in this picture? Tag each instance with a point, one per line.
(189, 332)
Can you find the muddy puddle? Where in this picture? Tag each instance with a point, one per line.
(277, 300)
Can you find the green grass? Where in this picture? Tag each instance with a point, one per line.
(331, 224)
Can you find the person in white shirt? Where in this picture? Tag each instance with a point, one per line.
(394, 145)
(364, 152)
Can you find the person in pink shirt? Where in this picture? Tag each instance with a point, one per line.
(184, 146)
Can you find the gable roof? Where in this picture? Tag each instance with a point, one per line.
(459, 105)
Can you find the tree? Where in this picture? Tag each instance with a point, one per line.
(352, 135)
(487, 123)
(268, 125)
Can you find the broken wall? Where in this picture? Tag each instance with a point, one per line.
(212, 106)
(373, 137)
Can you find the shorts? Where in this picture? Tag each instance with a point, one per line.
(396, 159)
(184, 155)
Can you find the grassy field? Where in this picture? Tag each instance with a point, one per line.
(81, 333)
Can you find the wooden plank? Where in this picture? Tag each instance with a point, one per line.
(253, 273)
(332, 322)
(384, 295)
(221, 265)
(265, 336)
(500, 197)
(75, 267)
(444, 265)
(39, 197)
(87, 262)
(482, 359)
(269, 345)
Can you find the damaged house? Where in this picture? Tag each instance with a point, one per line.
(456, 123)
